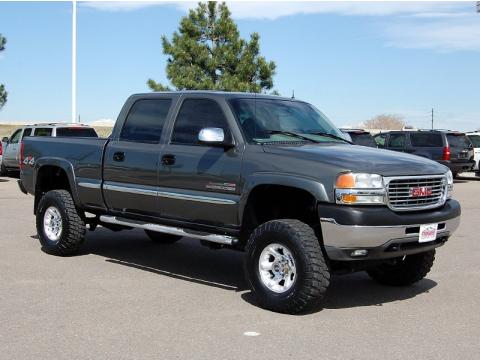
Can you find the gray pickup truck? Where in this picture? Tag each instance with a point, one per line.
(267, 175)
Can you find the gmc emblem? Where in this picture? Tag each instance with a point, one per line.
(421, 191)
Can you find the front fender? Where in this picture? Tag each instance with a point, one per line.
(311, 185)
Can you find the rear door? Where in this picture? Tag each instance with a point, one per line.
(461, 148)
(200, 183)
(427, 144)
(131, 160)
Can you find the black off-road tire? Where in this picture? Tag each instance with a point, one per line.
(3, 170)
(73, 226)
(312, 273)
(404, 272)
(161, 238)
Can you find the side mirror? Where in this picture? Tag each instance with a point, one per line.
(5, 139)
(214, 137)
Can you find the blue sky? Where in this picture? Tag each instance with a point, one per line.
(351, 60)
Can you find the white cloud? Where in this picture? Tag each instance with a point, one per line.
(443, 36)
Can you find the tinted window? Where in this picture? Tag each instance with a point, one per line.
(475, 139)
(458, 140)
(76, 132)
(380, 140)
(16, 136)
(363, 139)
(27, 132)
(43, 132)
(259, 117)
(194, 115)
(145, 121)
(426, 140)
(396, 140)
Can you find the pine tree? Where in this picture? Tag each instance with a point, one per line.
(207, 53)
(3, 93)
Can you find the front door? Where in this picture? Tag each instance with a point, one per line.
(200, 183)
(131, 160)
(12, 150)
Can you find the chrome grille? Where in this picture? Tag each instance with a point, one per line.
(399, 191)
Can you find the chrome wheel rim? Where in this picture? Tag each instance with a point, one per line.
(52, 223)
(277, 269)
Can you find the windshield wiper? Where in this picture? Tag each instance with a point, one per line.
(292, 134)
(330, 136)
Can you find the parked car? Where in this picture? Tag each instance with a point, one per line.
(12, 146)
(450, 148)
(360, 137)
(267, 175)
(475, 139)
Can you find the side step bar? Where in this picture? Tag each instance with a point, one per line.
(216, 238)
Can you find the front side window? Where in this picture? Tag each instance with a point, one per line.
(27, 132)
(396, 140)
(16, 136)
(380, 140)
(145, 121)
(475, 139)
(43, 132)
(262, 119)
(195, 115)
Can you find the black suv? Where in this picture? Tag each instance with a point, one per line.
(360, 137)
(450, 148)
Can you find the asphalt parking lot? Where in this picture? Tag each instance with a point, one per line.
(125, 297)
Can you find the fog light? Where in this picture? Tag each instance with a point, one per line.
(357, 253)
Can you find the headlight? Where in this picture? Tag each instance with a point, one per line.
(449, 184)
(359, 189)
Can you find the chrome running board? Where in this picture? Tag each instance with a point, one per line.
(216, 238)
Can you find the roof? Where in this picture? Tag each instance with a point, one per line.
(225, 94)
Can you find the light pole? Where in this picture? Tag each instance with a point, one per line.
(74, 61)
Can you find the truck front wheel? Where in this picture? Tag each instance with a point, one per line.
(60, 228)
(285, 267)
(405, 271)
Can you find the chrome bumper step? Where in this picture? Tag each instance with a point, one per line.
(216, 238)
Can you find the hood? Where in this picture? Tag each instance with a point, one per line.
(361, 159)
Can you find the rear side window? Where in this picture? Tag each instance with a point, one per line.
(76, 132)
(458, 141)
(396, 140)
(426, 140)
(194, 115)
(145, 121)
(43, 132)
(27, 132)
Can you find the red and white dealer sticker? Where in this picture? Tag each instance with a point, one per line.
(428, 233)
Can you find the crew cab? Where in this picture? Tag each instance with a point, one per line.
(266, 175)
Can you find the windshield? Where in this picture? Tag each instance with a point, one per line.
(263, 120)
(475, 139)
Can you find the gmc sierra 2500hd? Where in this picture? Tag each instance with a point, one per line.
(268, 175)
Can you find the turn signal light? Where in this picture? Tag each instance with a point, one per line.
(349, 198)
(446, 153)
(345, 181)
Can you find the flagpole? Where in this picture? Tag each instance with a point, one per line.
(74, 61)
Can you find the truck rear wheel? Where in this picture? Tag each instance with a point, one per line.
(162, 238)
(405, 271)
(285, 267)
(60, 229)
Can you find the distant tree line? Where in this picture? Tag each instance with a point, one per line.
(385, 122)
(3, 92)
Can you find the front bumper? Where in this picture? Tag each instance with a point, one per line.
(381, 232)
